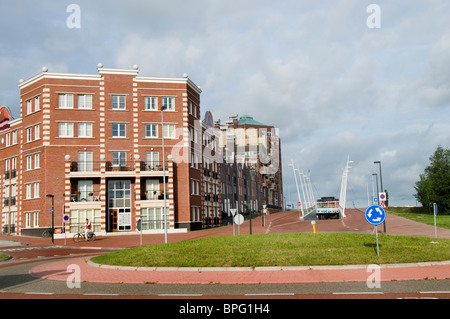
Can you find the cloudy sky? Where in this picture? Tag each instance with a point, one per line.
(314, 69)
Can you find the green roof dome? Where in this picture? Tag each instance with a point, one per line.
(247, 119)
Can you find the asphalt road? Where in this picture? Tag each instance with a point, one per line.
(16, 282)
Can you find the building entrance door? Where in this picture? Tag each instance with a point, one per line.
(119, 205)
(113, 220)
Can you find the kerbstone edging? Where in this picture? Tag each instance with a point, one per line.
(270, 268)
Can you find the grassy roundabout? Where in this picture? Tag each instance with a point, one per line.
(3, 256)
(300, 249)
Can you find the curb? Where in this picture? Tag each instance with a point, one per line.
(272, 268)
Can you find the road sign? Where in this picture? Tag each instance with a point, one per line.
(375, 215)
(382, 197)
(299, 204)
(238, 219)
(383, 204)
(66, 218)
(233, 211)
(139, 224)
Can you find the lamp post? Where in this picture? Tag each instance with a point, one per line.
(381, 185)
(164, 107)
(296, 184)
(376, 182)
(53, 213)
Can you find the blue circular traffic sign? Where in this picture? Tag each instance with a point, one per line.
(375, 215)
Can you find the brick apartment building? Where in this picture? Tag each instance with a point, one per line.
(252, 176)
(95, 143)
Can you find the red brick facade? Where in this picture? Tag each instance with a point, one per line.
(95, 143)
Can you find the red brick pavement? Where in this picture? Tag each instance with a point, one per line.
(282, 222)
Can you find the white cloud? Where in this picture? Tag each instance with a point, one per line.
(311, 68)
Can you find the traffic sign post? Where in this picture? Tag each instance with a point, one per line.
(139, 228)
(239, 219)
(375, 215)
(233, 212)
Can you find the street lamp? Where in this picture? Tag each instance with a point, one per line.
(164, 107)
(296, 184)
(381, 185)
(53, 213)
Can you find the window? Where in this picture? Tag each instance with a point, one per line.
(84, 129)
(14, 137)
(37, 132)
(151, 130)
(8, 139)
(151, 103)
(37, 160)
(29, 134)
(169, 103)
(152, 160)
(36, 189)
(169, 130)
(119, 158)
(37, 103)
(118, 102)
(36, 219)
(85, 162)
(28, 220)
(85, 101)
(118, 130)
(29, 106)
(85, 188)
(29, 163)
(66, 101)
(153, 218)
(65, 129)
(28, 191)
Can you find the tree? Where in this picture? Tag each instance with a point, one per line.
(434, 184)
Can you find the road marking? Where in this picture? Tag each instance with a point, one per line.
(94, 294)
(272, 294)
(359, 293)
(38, 293)
(180, 295)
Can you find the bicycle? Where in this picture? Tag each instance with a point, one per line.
(47, 233)
(80, 236)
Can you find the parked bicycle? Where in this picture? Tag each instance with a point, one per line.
(80, 236)
(47, 233)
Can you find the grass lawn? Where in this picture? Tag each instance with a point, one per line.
(282, 250)
(3, 256)
(421, 215)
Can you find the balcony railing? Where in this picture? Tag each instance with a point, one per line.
(95, 166)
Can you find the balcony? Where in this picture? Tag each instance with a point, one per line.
(93, 169)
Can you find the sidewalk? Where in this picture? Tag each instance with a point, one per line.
(281, 222)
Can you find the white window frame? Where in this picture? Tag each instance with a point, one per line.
(65, 129)
(119, 129)
(169, 130)
(151, 128)
(65, 101)
(84, 129)
(117, 104)
(151, 103)
(119, 158)
(85, 161)
(168, 102)
(85, 101)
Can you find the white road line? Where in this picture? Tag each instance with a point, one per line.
(93, 294)
(359, 293)
(38, 293)
(272, 294)
(180, 295)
